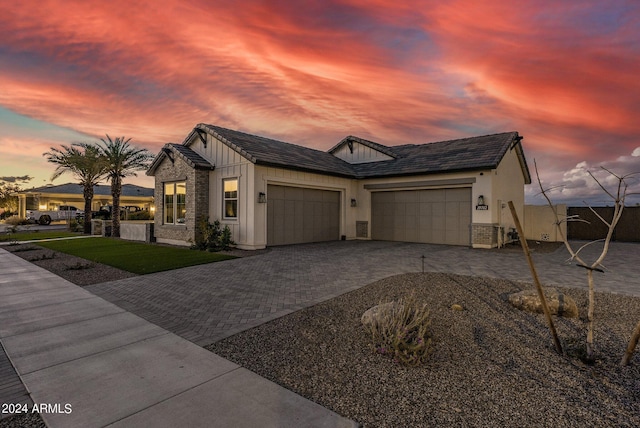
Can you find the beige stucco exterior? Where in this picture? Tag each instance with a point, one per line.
(249, 230)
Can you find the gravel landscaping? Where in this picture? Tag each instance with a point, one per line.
(74, 269)
(491, 365)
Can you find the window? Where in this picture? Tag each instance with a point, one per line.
(175, 202)
(230, 186)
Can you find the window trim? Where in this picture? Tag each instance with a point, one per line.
(225, 199)
(174, 203)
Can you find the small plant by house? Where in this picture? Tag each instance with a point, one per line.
(400, 330)
(212, 237)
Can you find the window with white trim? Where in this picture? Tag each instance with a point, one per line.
(175, 202)
(230, 198)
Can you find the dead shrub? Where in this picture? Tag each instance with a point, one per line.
(402, 331)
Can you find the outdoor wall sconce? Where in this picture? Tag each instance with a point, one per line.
(353, 202)
(262, 198)
(481, 205)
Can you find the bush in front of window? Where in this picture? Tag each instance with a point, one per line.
(212, 237)
(141, 215)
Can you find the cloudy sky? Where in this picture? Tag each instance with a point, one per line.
(565, 75)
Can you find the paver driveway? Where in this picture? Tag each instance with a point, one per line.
(207, 303)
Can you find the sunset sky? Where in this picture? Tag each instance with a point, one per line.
(564, 74)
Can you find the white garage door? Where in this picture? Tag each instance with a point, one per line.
(296, 215)
(441, 216)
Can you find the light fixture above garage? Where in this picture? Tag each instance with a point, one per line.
(481, 204)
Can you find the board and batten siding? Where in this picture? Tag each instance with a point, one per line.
(361, 153)
(229, 164)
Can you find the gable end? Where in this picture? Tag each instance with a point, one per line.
(356, 150)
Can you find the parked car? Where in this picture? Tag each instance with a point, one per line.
(64, 212)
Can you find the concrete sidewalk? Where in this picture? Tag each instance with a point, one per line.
(94, 364)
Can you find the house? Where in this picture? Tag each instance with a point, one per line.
(52, 196)
(273, 193)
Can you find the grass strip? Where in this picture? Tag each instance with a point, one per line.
(134, 257)
(35, 236)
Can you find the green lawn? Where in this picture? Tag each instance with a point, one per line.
(33, 236)
(135, 257)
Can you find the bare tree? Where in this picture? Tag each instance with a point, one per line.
(635, 336)
(618, 197)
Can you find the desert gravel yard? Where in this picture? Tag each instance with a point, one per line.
(492, 365)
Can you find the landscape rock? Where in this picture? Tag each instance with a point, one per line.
(559, 304)
(374, 313)
(456, 307)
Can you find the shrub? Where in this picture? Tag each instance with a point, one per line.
(75, 226)
(6, 214)
(140, 215)
(211, 237)
(402, 331)
(16, 221)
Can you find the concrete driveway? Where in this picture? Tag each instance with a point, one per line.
(207, 303)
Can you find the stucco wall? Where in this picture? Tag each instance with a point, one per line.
(137, 231)
(540, 222)
(498, 187)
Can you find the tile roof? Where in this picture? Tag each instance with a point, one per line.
(98, 190)
(265, 151)
(192, 158)
(473, 153)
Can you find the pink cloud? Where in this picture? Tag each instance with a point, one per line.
(562, 74)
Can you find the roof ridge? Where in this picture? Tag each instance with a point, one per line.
(463, 138)
(214, 128)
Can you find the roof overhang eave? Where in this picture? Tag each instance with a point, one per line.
(304, 169)
(414, 173)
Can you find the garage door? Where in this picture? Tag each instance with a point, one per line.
(296, 215)
(441, 216)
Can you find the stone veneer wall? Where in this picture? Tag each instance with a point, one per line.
(484, 235)
(197, 204)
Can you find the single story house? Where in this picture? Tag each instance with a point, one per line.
(50, 197)
(274, 193)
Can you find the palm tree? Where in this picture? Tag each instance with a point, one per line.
(123, 160)
(88, 166)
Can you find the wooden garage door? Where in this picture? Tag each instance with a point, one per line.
(441, 216)
(296, 215)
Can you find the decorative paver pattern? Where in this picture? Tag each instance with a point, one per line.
(207, 303)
